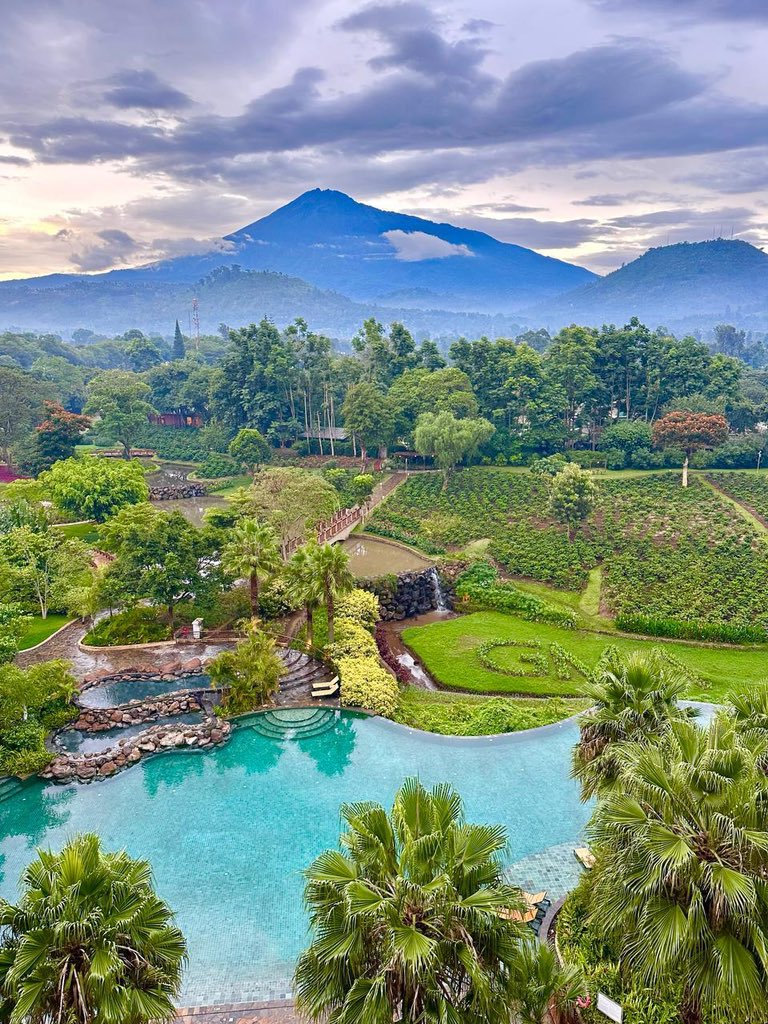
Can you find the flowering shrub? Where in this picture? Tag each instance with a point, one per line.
(351, 640)
(365, 684)
(360, 605)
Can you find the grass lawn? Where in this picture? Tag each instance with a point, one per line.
(88, 532)
(447, 649)
(470, 715)
(40, 629)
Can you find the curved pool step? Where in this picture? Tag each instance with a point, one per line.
(294, 723)
(301, 671)
(9, 787)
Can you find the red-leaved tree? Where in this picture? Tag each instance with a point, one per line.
(690, 431)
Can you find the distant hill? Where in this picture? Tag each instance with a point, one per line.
(110, 303)
(324, 238)
(685, 286)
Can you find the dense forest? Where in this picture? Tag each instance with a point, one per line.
(596, 393)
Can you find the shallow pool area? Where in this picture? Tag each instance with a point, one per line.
(228, 832)
(112, 693)
(73, 741)
(369, 556)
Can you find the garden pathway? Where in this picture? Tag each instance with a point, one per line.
(282, 1012)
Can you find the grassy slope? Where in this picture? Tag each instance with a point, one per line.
(470, 715)
(40, 629)
(88, 532)
(447, 649)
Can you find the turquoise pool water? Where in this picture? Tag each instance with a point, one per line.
(228, 832)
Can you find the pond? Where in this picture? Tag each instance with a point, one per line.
(193, 508)
(228, 832)
(369, 557)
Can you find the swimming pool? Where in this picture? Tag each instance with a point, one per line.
(119, 691)
(228, 832)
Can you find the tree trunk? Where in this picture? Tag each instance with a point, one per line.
(685, 472)
(171, 618)
(329, 610)
(310, 625)
(690, 1012)
(254, 587)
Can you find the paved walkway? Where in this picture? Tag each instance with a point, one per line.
(240, 1013)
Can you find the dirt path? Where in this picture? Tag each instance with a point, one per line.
(745, 511)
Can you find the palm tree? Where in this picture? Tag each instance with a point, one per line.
(682, 860)
(89, 939)
(331, 565)
(409, 918)
(635, 699)
(252, 553)
(748, 710)
(304, 584)
(546, 991)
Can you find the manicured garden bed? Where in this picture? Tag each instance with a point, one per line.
(469, 715)
(449, 651)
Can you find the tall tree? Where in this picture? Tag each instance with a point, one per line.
(369, 416)
(57, 436)
(690, 431)
(89, 939)
(253, 553)
(179, 347)
(250, 449)
(120, 399)
(331, 566)
(408, 920)
(304, 584)
(21, 407)
(572, 496)
(448, 440)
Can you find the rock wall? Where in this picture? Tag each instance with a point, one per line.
(409, 594)
(168, 492)
(136, 711)
(67, 767)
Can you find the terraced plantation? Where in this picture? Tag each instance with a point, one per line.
(749, 489)
(684, 554)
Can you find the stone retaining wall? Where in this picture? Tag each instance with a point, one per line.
(405, 595)
(170, 670)
(67, 767)
(170, 492)
(180, 702)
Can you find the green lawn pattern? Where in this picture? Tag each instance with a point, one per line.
(448, 651)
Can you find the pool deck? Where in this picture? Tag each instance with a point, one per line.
(278, 1012)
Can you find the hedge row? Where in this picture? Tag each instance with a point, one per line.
(679, 629)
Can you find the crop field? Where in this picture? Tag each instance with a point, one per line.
(491, 652)
(750, 489)
(664, 550)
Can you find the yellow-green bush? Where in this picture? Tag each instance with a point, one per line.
(360, 605)
(365, 684)
(352, 640)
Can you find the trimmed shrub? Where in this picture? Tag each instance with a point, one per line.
(680, 629)
(479, 589)
(352, 640)
(365, 684)
(361, 605)
(133, 626)
(217, 466)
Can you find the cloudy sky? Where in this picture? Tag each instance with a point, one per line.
(587, 129)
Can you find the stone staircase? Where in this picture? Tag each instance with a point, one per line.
(302, 672)
(294, 723)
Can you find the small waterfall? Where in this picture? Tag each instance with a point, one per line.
(441, 604)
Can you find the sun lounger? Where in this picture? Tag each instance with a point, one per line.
(534, 899)
(518, 915)
(585, 857)
(329, 689)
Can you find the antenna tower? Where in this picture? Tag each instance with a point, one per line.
(196, 323)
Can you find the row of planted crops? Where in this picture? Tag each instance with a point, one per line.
(666, 552)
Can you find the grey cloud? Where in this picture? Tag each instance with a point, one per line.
(116, 237)
(143, 90)
(725, 10)
(622, 198)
